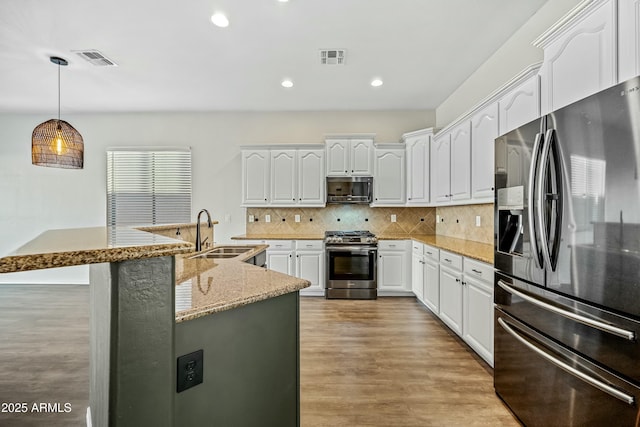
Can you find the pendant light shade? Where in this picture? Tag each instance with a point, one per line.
(55, 143)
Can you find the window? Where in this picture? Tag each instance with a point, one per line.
(148, 186)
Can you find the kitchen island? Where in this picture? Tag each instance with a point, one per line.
(135, 339)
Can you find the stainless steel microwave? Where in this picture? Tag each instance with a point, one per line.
(349, 189)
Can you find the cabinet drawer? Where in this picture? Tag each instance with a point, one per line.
(392, 245)
(279, 245)
(480, 270)
(417, 247)
(451, 260)
(432, 253)
(302, 245)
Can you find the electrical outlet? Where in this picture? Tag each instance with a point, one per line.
(252, 218)
(437, 218)
(393, 218)
(477, 220)
(190, 370)
(297, 218)
(267, 218)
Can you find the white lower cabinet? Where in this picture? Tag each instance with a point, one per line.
(478, 308)
(393, 266)
(451, 298)
(301, 258)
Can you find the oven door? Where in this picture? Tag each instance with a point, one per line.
(545, 384)
(351, 267)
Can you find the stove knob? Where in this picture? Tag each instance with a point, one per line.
(339, 239)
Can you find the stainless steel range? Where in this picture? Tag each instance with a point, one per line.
(351, 265)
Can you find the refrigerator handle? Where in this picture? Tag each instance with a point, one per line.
(595, 382)
(556, 197)
(533, 235)
(541, 175)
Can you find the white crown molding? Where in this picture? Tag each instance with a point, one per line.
(494, 96)
(576, 14)
(419, 132)
(292, 146)
(349, 135)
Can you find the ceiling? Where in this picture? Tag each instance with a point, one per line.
(172, 58)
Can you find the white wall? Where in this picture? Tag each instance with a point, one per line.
(514, 56)
(34, 199)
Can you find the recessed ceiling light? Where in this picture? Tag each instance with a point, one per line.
(376, 82)
(219, 20)
(287, 83)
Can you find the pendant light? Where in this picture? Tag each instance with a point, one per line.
(55, 143)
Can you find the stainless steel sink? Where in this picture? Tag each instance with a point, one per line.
(225, 252)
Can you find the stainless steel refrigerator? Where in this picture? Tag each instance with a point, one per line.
(567, 258)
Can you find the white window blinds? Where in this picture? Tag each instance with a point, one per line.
(148, 186)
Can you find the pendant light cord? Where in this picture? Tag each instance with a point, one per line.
(58, 92)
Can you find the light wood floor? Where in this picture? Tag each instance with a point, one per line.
(386, 363)
(390, 362)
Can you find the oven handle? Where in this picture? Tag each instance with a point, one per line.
(626, 398)
(352, 249)
(614, 330)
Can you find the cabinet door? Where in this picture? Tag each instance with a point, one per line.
(337, 157)
(283, 177)
(281, 261)
(461, 161)
(441, 168)
(361, 157)
(310, 266)
(392, 271)
(478, 317)
(628, 39)
(521, 105)
(451, 299)
(418, 170)
(255, 177)
(311, 177)
(432, 286)
(484, 131)
(389, 177)
(417, 275)
(582, 60)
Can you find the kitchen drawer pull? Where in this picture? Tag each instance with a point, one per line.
(605, 327)
(620, 395)
(476, 271)
(448, 260)
(429, 253)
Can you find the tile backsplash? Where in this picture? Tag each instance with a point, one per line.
(342, 217)
(460, 222)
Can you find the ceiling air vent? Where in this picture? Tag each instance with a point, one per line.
(332, 56)
(95, 58)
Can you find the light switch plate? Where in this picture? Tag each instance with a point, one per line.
(297, 218)
(477, 220)
(267, 218)
(393, 218)
(437, 218)
(252, 218)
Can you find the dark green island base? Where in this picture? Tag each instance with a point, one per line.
(251, 366)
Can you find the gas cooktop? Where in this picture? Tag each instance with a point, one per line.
(359, 237)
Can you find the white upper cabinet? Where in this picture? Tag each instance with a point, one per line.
(484, 130)
(311, 177)
(628, 39)
(441, 168)
(461, 161)
(389, 175)
(347, 156)
(520, 105)
(255, 177)
(418, 146)
(580, 54)
(283, 177)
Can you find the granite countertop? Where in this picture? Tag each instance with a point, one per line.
(469, 248)
(78, 246)
(279, 237)
(206, 286)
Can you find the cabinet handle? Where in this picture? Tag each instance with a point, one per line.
(464, 283)
(297, 256)
(458, 280)
(409, 198)
(476, 271)
(346, 171)
(294, 199)
(352, 171)
(429, 253)
(448, 260)
(265, 200)
(289, 255)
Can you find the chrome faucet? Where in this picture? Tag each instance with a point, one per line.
(209, 224)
